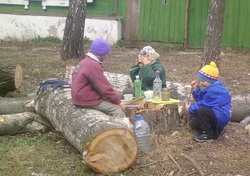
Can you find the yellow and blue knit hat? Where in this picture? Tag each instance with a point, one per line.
(209, 73)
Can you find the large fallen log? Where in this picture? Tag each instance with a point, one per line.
(10, 78)
(108, 144)
(10, 105)
(240, 110)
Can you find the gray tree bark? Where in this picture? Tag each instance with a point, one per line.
(214, 32)
(74, 31)
(16, 105)
(12, 124)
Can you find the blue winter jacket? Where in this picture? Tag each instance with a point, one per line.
(216, 97)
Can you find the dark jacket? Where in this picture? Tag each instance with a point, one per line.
(90, 86)
(217, 98)
(147, 74)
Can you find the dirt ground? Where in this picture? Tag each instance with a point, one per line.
(50, 154)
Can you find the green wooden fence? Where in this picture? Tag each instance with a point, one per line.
(162, 20)
(236, 29)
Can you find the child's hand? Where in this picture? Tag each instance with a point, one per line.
(194, 84)
(187, 106)
(144, 59)
(123, 106)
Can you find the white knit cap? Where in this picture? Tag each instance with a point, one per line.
(150, 52)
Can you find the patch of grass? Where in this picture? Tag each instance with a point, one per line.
(120, 43)
(30, 140)
(50, 39)
(175, 47)
(86, 40)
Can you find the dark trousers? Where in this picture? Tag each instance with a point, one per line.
(205, 121)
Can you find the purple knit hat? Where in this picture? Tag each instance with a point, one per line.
(100, 47)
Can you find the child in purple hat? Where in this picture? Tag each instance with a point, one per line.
(90, 88)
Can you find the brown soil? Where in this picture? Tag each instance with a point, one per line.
(40, 61)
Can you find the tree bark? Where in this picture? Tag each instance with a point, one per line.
(81, 127)
(12, 124)
(16, 105)
(214, 32)
(74, 31)
(240, 110)
(10, 78)
(164, 120)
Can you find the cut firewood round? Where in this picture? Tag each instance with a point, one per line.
(108, 151)
(18, 76)
(11, 78)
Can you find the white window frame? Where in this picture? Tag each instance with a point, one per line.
(16, 2)
(58, 3)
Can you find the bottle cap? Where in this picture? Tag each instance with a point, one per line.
(137, 76)
(137, 117)
(157, 72)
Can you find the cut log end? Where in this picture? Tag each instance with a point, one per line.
(18, 76)
(11, 78)
(112, 151)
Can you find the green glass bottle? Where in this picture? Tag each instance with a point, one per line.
(137, 84)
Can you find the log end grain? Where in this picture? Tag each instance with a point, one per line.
(112, 151)
(18, 76)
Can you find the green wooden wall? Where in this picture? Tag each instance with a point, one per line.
(198, 12)
(162, 22)
(236, 29)
(121, 11)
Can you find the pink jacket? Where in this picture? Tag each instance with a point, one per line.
(90, 86)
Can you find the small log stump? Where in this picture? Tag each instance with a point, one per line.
(164, 120)
(11, 77)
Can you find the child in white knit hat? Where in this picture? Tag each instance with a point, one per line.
(145, 66)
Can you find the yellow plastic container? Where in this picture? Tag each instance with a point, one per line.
(171, 101)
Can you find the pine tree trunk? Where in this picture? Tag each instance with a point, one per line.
(214, 32)
(74, 31)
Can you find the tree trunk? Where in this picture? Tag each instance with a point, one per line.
(16, 105)
(11, 78)
(106, 139)
(74, 31)
(214, 32)
(12, 124)
(240, 110)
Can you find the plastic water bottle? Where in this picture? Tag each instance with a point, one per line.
(137, 85)
(142, 133)
(157, 87)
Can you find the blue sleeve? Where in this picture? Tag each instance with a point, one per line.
(197, 94)
(210, 100)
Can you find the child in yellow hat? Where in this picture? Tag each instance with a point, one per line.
(212, 109)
